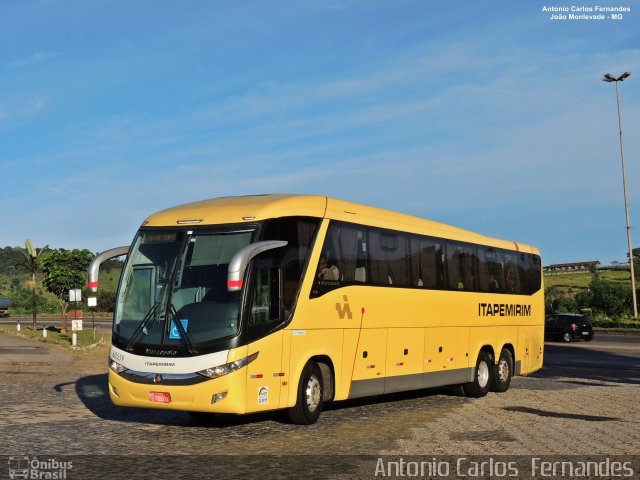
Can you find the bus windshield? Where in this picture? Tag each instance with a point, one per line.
(180, 276)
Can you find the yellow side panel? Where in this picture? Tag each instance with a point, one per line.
(441, 349)
(286, 380)
(537, 349)
(507, 335)
(371, 355)
(522, 350)
(462, 355)
(479, 337)
(348, 363)
(264, 374)
(532, 344)
(405, 351)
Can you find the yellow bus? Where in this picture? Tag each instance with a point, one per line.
(245, 304)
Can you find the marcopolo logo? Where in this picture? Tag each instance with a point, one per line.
(344, 309)
(35, 468)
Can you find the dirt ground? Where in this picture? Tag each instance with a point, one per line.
(586, 400)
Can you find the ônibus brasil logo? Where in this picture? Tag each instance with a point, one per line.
(34, 468)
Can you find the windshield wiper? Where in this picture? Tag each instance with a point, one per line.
(182, 332)
(143, 324)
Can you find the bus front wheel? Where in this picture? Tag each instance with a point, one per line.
(309, 400)
(483, 373)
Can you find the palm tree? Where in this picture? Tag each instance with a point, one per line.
(32, 263)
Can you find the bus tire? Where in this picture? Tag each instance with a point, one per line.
(482, 374)
(309, 400)
(503, 371)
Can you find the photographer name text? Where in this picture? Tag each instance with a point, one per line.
(464, 467)
(586, 13)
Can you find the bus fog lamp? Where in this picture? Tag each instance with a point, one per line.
(215, 398)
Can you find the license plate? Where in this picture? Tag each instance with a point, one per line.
(160, 397)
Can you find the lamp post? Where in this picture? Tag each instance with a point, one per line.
(610, 78)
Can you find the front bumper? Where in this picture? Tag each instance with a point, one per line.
(191, 398)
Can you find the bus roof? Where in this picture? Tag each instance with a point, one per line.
(251, 208)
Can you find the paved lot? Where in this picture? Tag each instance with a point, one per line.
(586, 400)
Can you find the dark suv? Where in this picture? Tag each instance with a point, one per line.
(568, 327)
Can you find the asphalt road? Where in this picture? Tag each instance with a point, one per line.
(55, 406)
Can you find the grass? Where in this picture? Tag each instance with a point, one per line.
(580, 280)
(87, 339)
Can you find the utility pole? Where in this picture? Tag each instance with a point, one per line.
(610, 78)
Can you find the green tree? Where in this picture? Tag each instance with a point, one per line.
(65, 270)
(31, 261)
(603, 296)
(11, 261)
(557, 301)
(106, 301)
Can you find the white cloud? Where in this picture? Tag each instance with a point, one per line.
(33, 59)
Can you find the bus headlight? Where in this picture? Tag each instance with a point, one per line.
(227, 368)
(116, 367)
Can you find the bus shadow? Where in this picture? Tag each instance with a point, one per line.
(574, 366)
(92, 391)
(580, 365)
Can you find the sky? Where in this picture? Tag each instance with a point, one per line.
(489, 116)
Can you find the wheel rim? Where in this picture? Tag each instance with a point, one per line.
(503, 371)
(567, 337)
(313, 393)
(483, 374)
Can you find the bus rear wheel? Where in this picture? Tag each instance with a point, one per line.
(310, 393)
(503, 371)
(482, 379)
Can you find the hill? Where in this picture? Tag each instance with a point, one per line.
(574, 282)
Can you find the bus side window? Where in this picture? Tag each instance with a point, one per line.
(360, 274)
(389, 258)
(299, 232)
(512, 275)
(342, 259)
(462, 266)
(491, 278)
(427, 263)
(535, 273)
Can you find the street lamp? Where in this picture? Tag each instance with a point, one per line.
(610, 78)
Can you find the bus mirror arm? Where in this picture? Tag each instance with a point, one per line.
(239, 262)
(94, 266)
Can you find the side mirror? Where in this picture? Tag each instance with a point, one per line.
(239, 262)
(94, 266)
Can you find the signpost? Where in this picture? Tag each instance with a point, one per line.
(75, 296)
(92, 302)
